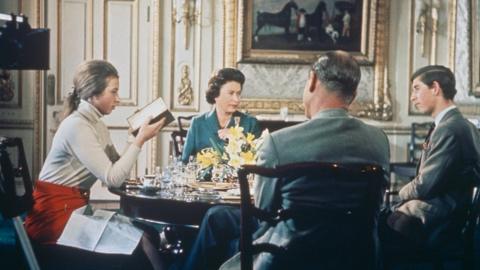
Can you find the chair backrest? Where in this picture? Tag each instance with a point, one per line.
(473, 219)
(370, 180)
(178, 140)
(11, 203)
(183, 121)
(178, 136)
(418, 134)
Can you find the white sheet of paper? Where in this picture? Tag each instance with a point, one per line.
(83, 231)
(103, 232)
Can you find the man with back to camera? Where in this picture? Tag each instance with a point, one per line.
(332, 136)
(433, 205)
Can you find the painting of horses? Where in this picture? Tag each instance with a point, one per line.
(304, 26)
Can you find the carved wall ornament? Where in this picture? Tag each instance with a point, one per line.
(185, 95)
(427, 26)
(189, 16)
(7, 86)
(432, 37)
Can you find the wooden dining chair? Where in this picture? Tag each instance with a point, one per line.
(418, 134)
(16, 199)
(358, 190)
(13, 202)
(178, 136)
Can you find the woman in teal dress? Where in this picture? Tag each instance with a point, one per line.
(224, 90)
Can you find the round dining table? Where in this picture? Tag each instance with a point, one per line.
(182, 208)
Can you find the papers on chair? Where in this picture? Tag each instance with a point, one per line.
(102, 231)
(156, 109)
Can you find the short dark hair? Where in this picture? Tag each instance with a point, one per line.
(339, 72)
(221, 77)
(440, 74)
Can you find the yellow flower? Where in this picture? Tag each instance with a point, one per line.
(233, 147)
(250, 138)
(235, 162)
(235, 133)
(207, 157)
(240, 149)
(248, 157)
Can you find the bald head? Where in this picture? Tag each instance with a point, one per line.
(338, 72)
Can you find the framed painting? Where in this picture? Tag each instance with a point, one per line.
(275, 82)
(283, 31)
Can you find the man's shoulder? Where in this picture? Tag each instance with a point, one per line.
(312, 124)
(455, 123)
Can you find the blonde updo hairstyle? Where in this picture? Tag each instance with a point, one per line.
(90, 80)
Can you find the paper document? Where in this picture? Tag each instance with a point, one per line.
(101, 231)
(156, 109)
(84, 231)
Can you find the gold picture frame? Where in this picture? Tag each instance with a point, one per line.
(323, 30)
(475, 47)
(377, 105)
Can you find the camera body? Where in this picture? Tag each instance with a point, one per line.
(22, 47)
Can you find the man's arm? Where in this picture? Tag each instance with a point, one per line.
(441, 157)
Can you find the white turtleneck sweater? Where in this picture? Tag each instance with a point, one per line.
(82, 152)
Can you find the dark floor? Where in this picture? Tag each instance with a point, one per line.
(11, 256)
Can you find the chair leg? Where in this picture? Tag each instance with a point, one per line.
(25, 243)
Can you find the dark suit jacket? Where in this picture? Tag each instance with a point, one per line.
(438, 195)
(205, 127)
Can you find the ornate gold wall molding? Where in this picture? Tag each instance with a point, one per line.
(185, 91)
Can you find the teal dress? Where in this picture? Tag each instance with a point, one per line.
(205, 126)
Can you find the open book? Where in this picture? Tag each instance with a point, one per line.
(157, 109)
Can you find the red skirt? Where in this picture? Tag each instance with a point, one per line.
(53, 206)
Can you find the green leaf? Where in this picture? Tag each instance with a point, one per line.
(219, 149)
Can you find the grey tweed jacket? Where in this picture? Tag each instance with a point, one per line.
(440, 190)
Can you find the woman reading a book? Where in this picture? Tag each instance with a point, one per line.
(82, 152)
(224, 90)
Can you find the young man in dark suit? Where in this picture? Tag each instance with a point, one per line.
(433, 205)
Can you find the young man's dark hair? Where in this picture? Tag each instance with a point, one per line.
(440, 74)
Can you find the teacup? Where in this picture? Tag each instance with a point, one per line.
(149, 181)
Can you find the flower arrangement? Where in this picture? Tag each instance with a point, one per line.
(221, 162)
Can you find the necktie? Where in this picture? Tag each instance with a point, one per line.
(425, 145)
(427, 139)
